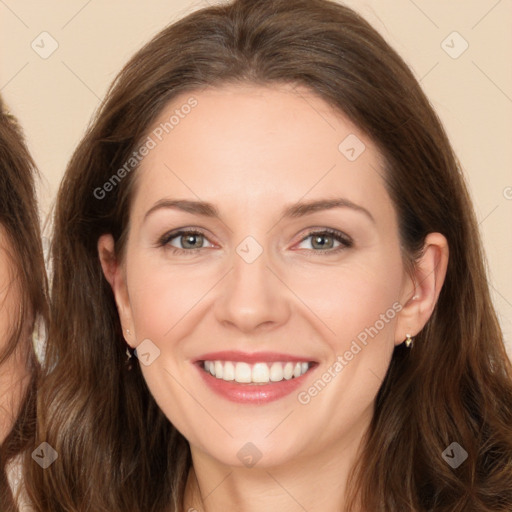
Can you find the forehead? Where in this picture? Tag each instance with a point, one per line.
(244, 143)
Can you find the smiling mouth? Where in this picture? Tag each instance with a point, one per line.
(257, 373)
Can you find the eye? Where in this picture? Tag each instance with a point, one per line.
(184, 241)
(190, 241)
(324, 241)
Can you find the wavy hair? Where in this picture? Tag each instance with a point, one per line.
(19, 218)
(117, 450)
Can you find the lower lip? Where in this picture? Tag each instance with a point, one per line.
(252, 393)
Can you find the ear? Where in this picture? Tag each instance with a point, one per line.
(115, 275)
(421, 291)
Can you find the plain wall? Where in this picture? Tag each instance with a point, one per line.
(55, 95)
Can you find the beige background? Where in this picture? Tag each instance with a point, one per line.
(54, 97)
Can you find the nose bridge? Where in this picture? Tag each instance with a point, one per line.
(251, 295)
(250, 272)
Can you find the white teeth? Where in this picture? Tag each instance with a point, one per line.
(242, 372)
(218, 369)
(229, 371)
(258, 373)
(288, 371)
(276, 372)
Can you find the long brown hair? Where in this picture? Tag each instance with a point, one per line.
(117, 451)
(19, 218)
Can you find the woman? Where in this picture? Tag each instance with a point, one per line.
(269, 291)
(23, 299)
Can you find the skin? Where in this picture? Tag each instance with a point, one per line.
(14, 374)
(252, 151)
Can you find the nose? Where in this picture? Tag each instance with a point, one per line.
(252, 296)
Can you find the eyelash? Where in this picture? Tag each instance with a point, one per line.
(345, 241)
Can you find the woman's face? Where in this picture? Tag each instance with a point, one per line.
(274, 273)
(13, 370)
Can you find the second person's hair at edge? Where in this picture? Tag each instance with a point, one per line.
(20, 220)
(117, 451)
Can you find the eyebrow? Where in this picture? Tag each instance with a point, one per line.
(295, 210)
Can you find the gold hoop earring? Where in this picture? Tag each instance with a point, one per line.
(408, 341)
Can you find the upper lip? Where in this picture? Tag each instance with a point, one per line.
(251, 358)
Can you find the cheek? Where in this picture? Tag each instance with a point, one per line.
(356, 305)
(155, 308)
(161, 295)
(352, 296)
